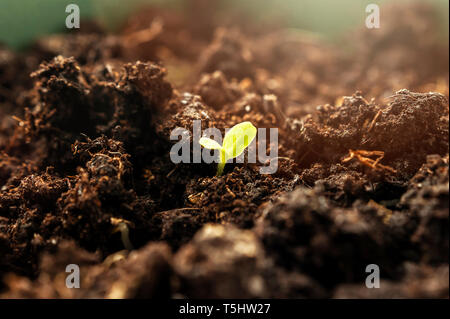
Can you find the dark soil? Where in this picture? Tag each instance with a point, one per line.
(86, 178)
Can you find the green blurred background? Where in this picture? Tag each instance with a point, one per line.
(23, 20)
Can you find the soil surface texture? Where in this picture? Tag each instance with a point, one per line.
(363, 143)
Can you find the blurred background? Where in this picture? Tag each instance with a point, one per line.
(23, 21)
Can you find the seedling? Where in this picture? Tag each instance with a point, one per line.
(236, 140)
(121, 226)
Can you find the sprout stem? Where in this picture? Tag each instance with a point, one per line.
(124, 235)
(222, 162)
(220, 168)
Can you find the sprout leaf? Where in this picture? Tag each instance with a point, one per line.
(209, 143)
(238, 138)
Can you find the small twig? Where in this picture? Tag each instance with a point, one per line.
(172, 171)
(230, 192)
(362, 157)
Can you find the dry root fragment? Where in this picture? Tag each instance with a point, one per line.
(373, 121)
(363, 157)
(146, 35)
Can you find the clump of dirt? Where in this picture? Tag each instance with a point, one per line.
(306, 232)
(411, 126)
(144, 273)
(419, 283)
(427, 198)
(214, 250)
(237, 196)
(216, 91)
(87, 48)
(227, 53)
(86, 175)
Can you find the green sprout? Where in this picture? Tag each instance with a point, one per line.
(236, 140)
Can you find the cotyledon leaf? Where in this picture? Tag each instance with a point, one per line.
(238, 138)
(209, 143)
